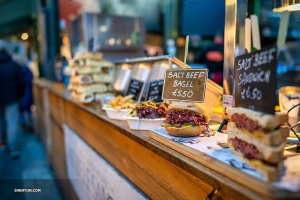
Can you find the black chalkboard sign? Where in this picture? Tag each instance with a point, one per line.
(155, 90)
(135, 88)
(255, 78)
(185, 84)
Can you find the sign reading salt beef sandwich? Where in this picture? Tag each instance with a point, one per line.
(155, 91)
(255, 77)
(185, 84)
(135, 88)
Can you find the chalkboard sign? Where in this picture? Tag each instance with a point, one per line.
(255, 77)
(185, 84)
(135, 88)
(155, 90)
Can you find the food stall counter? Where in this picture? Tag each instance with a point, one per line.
(154, 170)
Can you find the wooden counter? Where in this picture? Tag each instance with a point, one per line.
(158, 171)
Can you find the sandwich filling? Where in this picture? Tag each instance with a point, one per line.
(184, 118)
(86, 79)
(249, 151)
(149, 110)
(243, 122)
(79, 63)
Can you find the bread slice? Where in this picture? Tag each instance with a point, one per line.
(271, 173)
(273, 138)
(270, 154)
(266, 121)
(185, 131)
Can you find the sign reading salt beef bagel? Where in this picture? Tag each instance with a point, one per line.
(155, 90)
(185, 84)
(135, 88)
(255, 77)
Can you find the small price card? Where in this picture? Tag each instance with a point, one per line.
(155, 90)
(185, 84)
(135, 88)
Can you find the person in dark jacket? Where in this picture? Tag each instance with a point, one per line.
(11, 89)
(25, 117)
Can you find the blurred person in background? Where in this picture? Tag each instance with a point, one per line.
(60, 61)
(26, 101)
(66, 76)
(32, 64)
(11, 90)
(213, 57)
(61, 64)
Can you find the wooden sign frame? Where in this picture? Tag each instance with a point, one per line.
(185, 83)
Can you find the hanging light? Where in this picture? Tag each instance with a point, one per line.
(286, 5)
(24, 36)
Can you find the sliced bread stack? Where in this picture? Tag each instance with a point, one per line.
(90, 76)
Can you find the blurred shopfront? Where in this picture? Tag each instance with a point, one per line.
(164, 26)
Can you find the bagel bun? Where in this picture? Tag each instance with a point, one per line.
(188, 106)
(185, 131)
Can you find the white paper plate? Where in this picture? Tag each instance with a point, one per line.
(143, 124)
(115, 114)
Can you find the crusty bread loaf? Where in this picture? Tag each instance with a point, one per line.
(273, 138)
(88, 55)
(93, 88)
(266, 121)
(271, 173)
(185, 131)
(83, 97)
(270, 154)
(87, 70)
(100, 63)
(102, 78)
(183, 105)
(81, 79)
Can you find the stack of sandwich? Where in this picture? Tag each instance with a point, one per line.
(90, 78)
(259, 139)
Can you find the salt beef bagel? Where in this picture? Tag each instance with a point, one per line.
(185, 131)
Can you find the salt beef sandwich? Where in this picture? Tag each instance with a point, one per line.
(259, 139)
(185, 119)
(85, 63)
